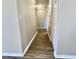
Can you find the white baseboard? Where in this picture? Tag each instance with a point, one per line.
(42, 27)
(29, 44)
(12, 54)
(49, 37)
(20, 54)
(65, 56)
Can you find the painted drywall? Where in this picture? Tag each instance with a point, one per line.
(19, 25)
(42, 18)
(27, 21)
(65, 31)
(11, 41)
(50, 20)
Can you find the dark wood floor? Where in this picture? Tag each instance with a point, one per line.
(41, 48)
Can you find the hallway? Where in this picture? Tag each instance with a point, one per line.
(21, 20)
(41, 47)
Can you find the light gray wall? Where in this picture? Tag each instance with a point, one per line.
(19, 25)
(27, 21)
(10, 28)
(50, 19)
(65, 33)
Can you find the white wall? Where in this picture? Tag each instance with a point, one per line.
(27, 21)
(65, 32)
(42, 18)
(10, 28)
(19, 26)
(50, 20)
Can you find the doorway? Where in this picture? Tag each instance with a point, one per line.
(41, 7)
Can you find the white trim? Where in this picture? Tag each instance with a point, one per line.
(20, 54)
(49, 36)
(65, 56)
(54, 53)
(12, 54)
(29, 44)
(42, 27)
